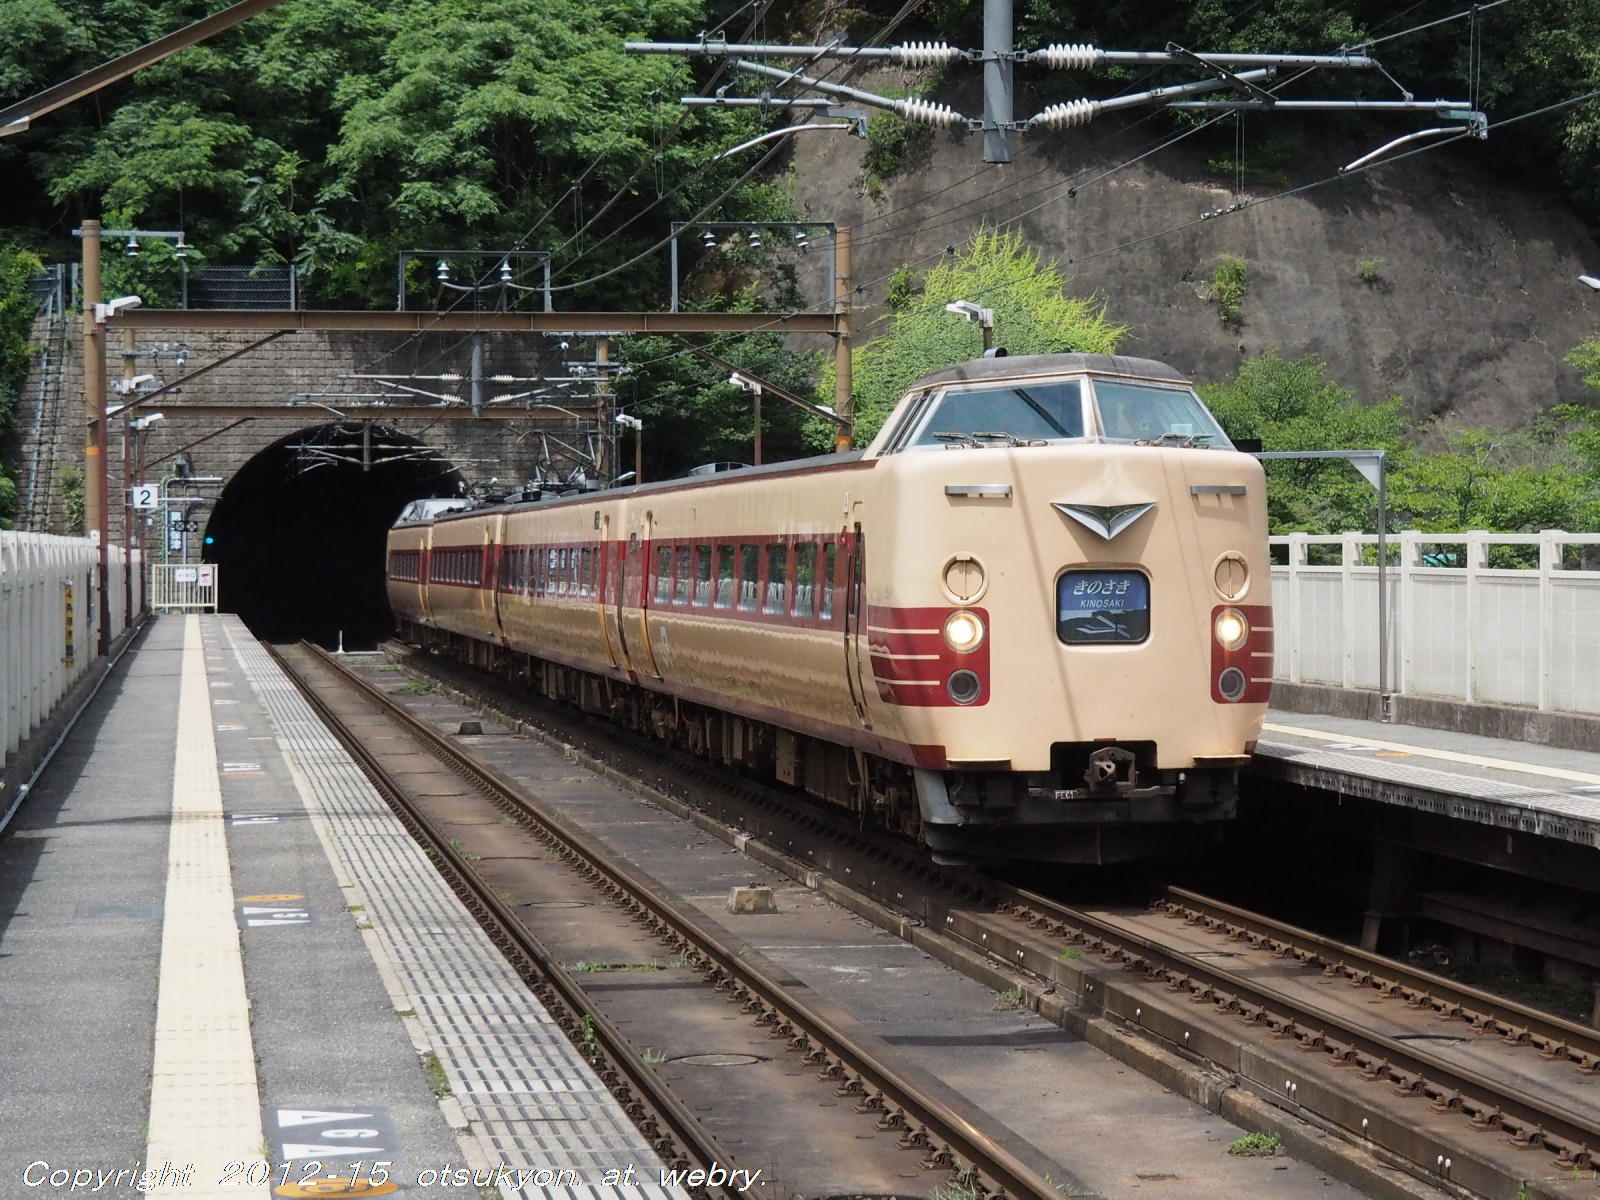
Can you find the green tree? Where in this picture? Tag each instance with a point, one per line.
(17, 308)
(694, 415)
(1032, 314)
(1488, 479)
(1293, 405)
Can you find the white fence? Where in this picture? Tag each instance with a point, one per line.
(183, 587)
(49, 623)
(1495, 618)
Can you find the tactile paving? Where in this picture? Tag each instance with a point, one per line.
(532, 1099)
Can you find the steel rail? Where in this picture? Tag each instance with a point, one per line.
(1490, 1103)
(952, 1139)
(623, 1072)
(1553, 1037)
(893, 881)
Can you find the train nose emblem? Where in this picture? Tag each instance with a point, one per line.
(1107, 520)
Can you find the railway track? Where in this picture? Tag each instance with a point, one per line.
(1468, 1092)
(928, 1120)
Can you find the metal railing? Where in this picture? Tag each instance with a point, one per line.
(183, 587)
(49, 623)
(1495, 618)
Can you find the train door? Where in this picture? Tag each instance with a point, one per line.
(494, 543)
(633, 599)
(610, 592)
(856, 648)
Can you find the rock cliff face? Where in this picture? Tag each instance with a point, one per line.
(1430, 278)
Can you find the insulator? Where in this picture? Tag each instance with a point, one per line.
(928, 111)
(1069, 114)
(925, 54)
(1062, 56)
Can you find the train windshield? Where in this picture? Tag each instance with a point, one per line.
(1147, 413)
(1021, 413)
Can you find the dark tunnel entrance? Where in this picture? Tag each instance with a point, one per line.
(298, 534)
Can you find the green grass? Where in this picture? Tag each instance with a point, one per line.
(1070, 954)
(1256, 1145)
(1370, 270)
(1229, 284)
(435, 1073)
(419, 687)
(1008, 1000)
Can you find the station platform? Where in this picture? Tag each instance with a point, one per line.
(1515, 786)
(229, 971)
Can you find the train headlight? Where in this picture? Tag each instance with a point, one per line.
(1231, 628)
(963, 631)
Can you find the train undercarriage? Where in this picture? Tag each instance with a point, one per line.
(1098, 804)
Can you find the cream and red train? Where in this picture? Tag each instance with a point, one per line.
(1030, 621)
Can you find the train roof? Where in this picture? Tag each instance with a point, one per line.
(1022, 365)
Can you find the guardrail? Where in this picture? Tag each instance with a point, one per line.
(1496, 618)
(49, 624)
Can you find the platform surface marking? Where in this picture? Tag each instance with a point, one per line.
(531, 1097)
(1471, 760)
(205, 1106)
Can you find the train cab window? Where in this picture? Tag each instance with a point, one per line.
(830, 556)
(725, 580)
(805, 579)
(1047, 410)
(749, 576)
(1146, 413)
(663, 573)
(777, 577)
(702, 576)
(681, 579)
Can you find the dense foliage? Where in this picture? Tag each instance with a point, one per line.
(16, 316)
(1438, 479)
(333, 133)
(1032, 315)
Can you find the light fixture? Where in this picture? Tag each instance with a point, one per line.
(708, 240)
(754, 240)
(443, 273)
(1591, 281)
(132, 248)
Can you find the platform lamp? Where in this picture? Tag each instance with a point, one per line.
(984, 317)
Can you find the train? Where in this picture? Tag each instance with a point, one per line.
(1030, 621)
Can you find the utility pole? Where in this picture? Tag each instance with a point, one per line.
(129, 370)
(94, 412)
(605, 451)
(997, 123)
(844, 401)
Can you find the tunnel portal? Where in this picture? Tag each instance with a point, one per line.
(298, 533)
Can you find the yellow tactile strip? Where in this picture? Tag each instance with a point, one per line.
(205, 1107)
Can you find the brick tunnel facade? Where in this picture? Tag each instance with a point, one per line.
(303, 494)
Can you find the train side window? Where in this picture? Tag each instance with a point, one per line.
(586, 582)
(725, 580)
(681, 579)
(749, 576)
(777, 576)
(564, 573)
(702, 576)
(805, 579)
(663, 573)
(830, 557)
